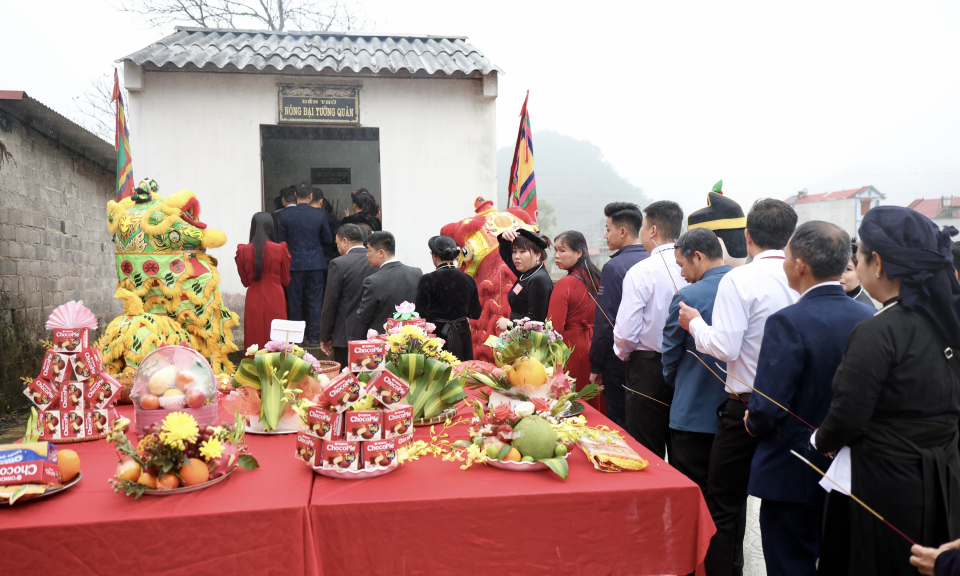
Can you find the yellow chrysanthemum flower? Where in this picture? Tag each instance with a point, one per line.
(211, 449)
(177, 427)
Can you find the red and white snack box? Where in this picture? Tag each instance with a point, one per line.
(379, 454)
(49, 422)
(340, 455)
(392, 323)
(56, 366)
(365, 355)
(341, 392)
(308, 448)
(95, 422)
(71, 396)
(43, 393)
(100, 391)
(70, 339)
(29, 472)
(398, 421)
(364, 424)
(325, 423)
(387, 388)
(71, 424)
(87, 364)
(404, 440)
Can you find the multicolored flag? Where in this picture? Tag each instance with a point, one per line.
(522, 189)
(122, 145)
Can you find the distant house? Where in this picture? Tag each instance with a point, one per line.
(844, 208)
(943, 211)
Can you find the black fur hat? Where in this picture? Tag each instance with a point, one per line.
(725, 217)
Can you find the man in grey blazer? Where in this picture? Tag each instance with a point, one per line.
(338, 319)
(389, 286)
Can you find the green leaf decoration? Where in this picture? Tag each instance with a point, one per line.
(246, 375)
(248, 462)
(504, 450)
(718, 187)
(558, 465)
(431, 390)
(271, 373)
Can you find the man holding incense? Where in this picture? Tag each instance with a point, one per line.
(802, 346)
(693, 412)
(648, 289)
(746, 297)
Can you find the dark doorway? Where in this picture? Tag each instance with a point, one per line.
(336, 160)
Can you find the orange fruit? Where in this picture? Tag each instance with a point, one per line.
(148, 480)
(184, 380)
(193, 472)
(512, 456)
(168, 481)
(69, 464)
(128, 469)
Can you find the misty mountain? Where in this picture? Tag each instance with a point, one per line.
(573, 178)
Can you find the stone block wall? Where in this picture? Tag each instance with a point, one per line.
(54, 244)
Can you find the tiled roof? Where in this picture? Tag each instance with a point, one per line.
(936, 207)
(827, 196)
(318, 50)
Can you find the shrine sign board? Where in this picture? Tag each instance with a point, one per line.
(319, 105)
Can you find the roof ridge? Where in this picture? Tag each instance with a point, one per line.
(357, 34)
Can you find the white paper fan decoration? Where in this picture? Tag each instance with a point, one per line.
(72, 315)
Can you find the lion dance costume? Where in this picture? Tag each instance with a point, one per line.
(168, 284)
(480, 258)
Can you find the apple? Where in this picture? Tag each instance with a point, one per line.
(195, 397)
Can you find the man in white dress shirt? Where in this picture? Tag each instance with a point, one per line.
(648, 288)
(747, 296)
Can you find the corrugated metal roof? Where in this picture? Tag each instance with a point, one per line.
(318, 50)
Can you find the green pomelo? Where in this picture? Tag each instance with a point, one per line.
(534, 437)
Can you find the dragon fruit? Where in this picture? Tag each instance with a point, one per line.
(226, 461)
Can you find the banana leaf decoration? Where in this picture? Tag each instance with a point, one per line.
(271, 374)
(431, 389)
(537, 346)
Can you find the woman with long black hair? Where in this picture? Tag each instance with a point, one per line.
(365, 210)
(896, 395)
(447, 297)
(264, 268)
(524, 253)
(572, 305)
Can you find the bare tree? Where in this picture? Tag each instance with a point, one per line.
(275, 15)
(95, 110)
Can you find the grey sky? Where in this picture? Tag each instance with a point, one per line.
(770, 96)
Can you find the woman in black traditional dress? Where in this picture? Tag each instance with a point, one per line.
(524, 252)
(896, 398)
(365, 210)
(448, 296)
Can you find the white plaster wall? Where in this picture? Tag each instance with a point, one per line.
(840, 212)
(201, 131)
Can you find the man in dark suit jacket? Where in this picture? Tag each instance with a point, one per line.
(287, 197)
(391, 285)
(802, 347)
(338, 320)
(305, 230)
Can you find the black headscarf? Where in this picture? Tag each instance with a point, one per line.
(914, 249)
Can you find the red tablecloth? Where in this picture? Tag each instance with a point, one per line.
(430, 517)
(251, 523)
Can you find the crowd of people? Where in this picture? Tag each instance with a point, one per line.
(731, 349)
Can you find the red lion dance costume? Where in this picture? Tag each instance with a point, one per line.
(480, 258)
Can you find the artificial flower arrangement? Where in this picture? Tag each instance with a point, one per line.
(260, 385)
(177, 453)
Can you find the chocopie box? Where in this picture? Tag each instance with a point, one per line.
(70, 339)
(325, 424)
(43, 393)
(387, 388)
(100, 391)
(308, 448)
(364, 424)
(95, 422)
(71, 424)
(379, 454)
(88, 363)
(398, 421)
(404, 440)
(28, 463)
(365, 355)
(56, 366)
(49, 423)
(71, 396)
(340, 455)
(341, 392)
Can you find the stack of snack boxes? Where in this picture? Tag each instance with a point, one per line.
(336, 438)
(28, 463)
(73, 394)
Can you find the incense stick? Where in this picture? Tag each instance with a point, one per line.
(715, 374)
(645, 396)
(767, 397)
(662, 257)
(857, 500)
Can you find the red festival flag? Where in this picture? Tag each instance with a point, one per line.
(122, 145)
(522, 189)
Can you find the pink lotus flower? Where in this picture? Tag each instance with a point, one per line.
(431, 327)
(371, 334)
(278, 346)
(405, 307)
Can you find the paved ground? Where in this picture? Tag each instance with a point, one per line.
(752, 549)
